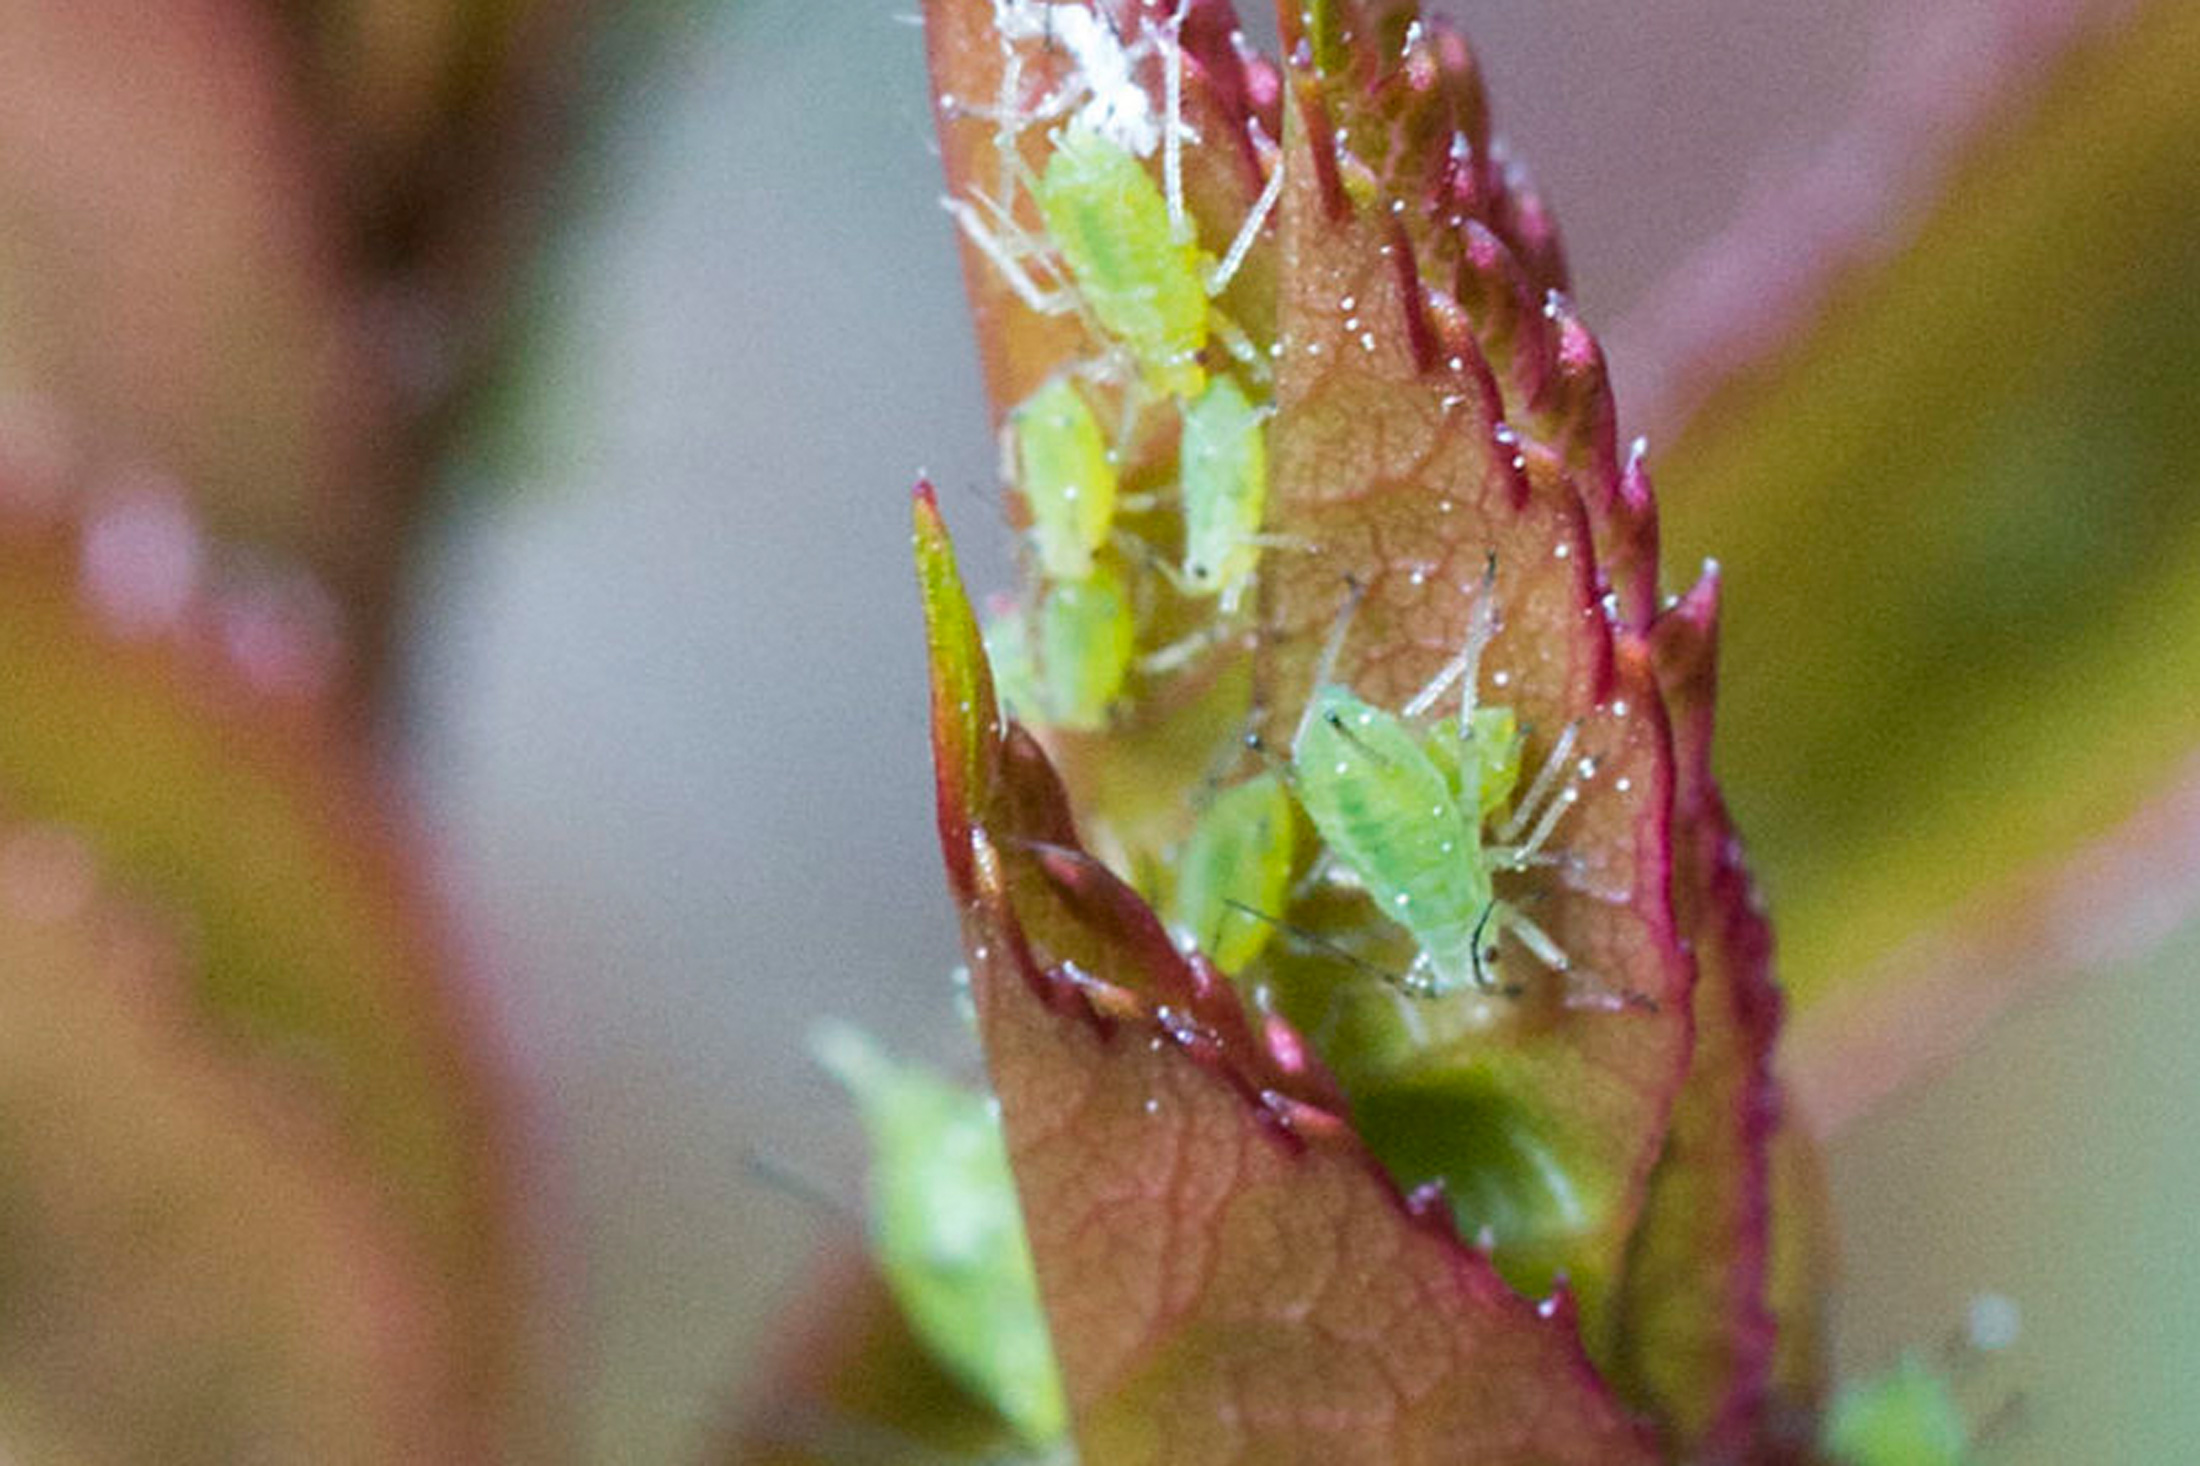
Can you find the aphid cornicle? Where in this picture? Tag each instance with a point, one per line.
(1234, 868)
(1067, 478)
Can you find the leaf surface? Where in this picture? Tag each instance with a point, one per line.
(1698, 1330)
(1229, 1275)
(1394, 464)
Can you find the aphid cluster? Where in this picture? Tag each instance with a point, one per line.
(1413, 809)
(1118, 251)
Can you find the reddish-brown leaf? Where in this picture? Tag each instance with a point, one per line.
(1228, 1273)
(138, 710)
(1392, 461)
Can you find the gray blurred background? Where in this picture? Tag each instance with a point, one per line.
(668, 677)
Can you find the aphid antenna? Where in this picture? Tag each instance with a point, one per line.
(1530, 810)
(1327, 946)
(1172, 125)
(1465, 668)
(1325, 670)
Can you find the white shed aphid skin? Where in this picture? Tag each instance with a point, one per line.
(1402, 809)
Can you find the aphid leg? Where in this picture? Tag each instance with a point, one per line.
(1407, 1005)
(1184, 651)
(1326, 870)
(1530, 809)
(1057, 302)
(1225, 270)
(1251, 358)
(1484, 958)
(1582, 989)
(1564, 800)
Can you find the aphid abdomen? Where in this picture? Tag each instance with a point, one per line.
(1086, 638)
(1067, 478)
(1387, 810)
(1223, 462)
(1108, 218)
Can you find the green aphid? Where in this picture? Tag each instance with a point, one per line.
(1233, 875)
(1402, 808)
(1140, 275)
(1391, 813)
(1007, 636)
(1086, 638)
(1223, 464)
(1067, 477)
(947, 1233)
(1064, 664)
(1905, 1417)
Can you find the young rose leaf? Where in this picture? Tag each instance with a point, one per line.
(1228, 1274)
(1393, 463)
(194, 1266)
(1955, 514)
(1438, 632)
(127, 716)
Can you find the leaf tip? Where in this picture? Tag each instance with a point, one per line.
(965, 719)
